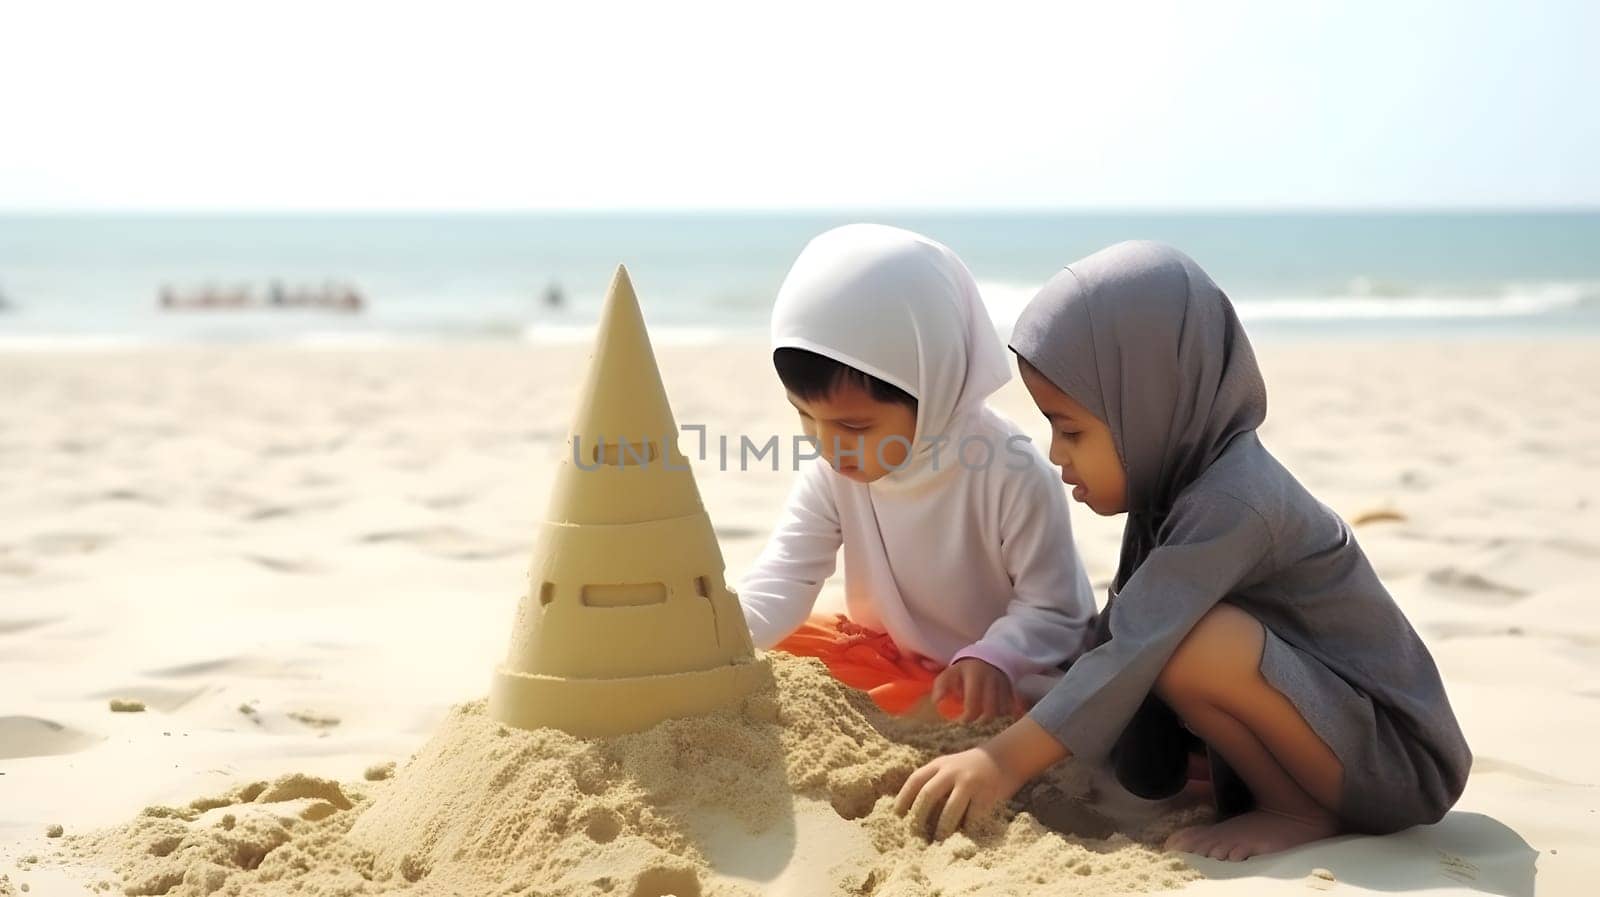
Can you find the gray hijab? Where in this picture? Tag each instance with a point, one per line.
(1142, 337)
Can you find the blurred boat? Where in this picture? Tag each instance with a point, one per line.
(338, 298)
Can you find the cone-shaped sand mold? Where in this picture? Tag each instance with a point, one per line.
(627, 620)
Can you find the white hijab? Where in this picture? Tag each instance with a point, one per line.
(904, 309)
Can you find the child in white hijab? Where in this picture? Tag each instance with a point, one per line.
(957, 543)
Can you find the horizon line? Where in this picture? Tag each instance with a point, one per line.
(799, 211)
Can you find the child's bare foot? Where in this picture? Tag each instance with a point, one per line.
(1253, 833)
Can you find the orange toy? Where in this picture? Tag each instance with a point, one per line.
(897, 681)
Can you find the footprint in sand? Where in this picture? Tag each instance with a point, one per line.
(1472, 587)
(30, 736)
(246, 666)
(77, 446)
(1573, 546)
(1539, 447)
(19, 624)
(447, 502)
(1448, 629)
(445, 542)
(153, 697)
(1482, 764)
(1461, 629)
(285, 565)
(314, 720)
(129, 495)
(274, 512)
(1415, 479)
(63, 543)
(277, 450)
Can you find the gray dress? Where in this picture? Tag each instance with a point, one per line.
(1143, 338)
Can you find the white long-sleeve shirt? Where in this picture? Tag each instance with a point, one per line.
(974, 563)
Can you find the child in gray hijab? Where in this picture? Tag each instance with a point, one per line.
(1243, 618)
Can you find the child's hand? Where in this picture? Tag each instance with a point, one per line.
(986, 693)
(955, 787)
(973, 782)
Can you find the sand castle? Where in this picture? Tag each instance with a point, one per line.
(627, 620)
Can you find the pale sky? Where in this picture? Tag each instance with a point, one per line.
(466, 105)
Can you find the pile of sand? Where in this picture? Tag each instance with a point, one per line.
(491, 810)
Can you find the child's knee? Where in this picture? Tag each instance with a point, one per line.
(1222, 648)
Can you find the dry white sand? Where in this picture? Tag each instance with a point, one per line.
(224, 566)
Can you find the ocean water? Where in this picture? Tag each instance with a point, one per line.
(91, 279)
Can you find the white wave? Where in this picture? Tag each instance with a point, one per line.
(660, 335)
(73, 342)
(1513, 303)
(1005, 302)
(358, 339)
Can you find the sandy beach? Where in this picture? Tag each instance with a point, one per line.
(283, 562)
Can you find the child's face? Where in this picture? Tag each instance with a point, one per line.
(1081, 445)
(850, 419)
